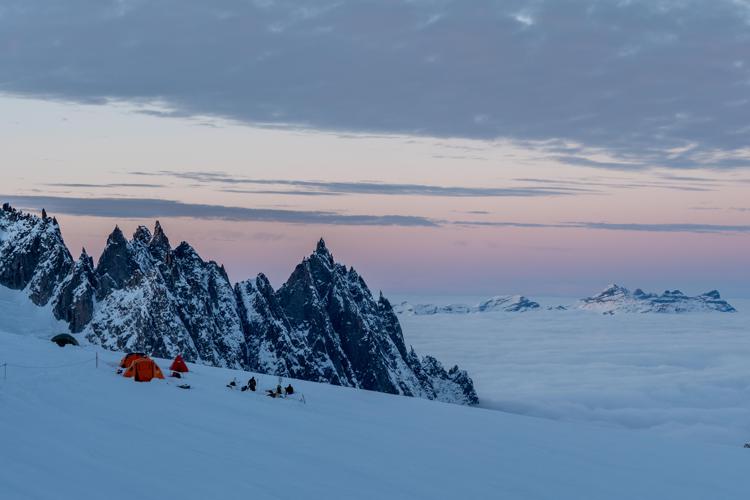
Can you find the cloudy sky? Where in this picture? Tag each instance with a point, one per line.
(538, 147)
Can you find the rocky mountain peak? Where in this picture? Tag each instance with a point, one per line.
(615, 289)
(159, 245)
(142, 235)
(33, 255)
(116, 237)
(323, 324)
(619, 299)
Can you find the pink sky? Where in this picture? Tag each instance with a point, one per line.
(79, 152)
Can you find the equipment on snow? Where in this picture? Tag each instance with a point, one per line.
(64, 339)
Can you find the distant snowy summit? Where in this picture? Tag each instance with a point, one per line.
(504, 303)
(616, 298)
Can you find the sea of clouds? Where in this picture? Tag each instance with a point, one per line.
(685, 376)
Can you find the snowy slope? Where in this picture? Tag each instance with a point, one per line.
(86, 433)
(672, 375)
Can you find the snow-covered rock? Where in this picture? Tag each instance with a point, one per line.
(322, 325)
(33, 255)
(504, 303)
(616, 298)
(516, 303)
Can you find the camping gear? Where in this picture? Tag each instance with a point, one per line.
(178, 365)
(143, 370)
(126, 361)
(64, 339)
(184, 386)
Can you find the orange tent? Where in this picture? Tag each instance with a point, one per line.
(143, 370)
(178, 365)
(126, 361)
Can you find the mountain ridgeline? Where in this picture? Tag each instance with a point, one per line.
(322, 325)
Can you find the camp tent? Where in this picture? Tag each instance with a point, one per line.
(126, 361)
(64, 339)
(178, 365)
(143, 370)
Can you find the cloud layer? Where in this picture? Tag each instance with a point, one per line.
(648, 82)
(147, 208)
(306, 187)
(150, 208)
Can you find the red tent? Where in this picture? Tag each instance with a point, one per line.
(178, 365)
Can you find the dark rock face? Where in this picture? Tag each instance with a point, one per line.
(33, 255)
(75, 299)
(163, 301)
(117, 263)
(322, 325)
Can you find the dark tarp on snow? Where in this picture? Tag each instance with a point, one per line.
(64, 339)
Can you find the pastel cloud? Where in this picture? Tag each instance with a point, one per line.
(648, 82)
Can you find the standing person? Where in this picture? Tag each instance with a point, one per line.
(252, 384)
(289, 390)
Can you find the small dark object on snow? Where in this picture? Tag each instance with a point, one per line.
(271, 393)
(119, 371)
(747, 445)
(243, 388)
(251, 384)
(184, 386)
(232, 384)
(175, 375)
(64, 339)
(289, 389)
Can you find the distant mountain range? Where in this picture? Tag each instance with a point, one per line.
(613, 299)
(506, 303)
(322, 325)
(616, 298)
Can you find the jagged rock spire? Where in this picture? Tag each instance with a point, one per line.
(321, 247)
(142, 235)
(116, 236)
(159, 246)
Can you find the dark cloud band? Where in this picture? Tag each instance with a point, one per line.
(140, 208)
(651, 82)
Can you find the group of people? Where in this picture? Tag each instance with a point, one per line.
(252, 385)
(287, 391)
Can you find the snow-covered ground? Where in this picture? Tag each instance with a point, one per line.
(71, 430)
(678, 375)
(81, 432)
